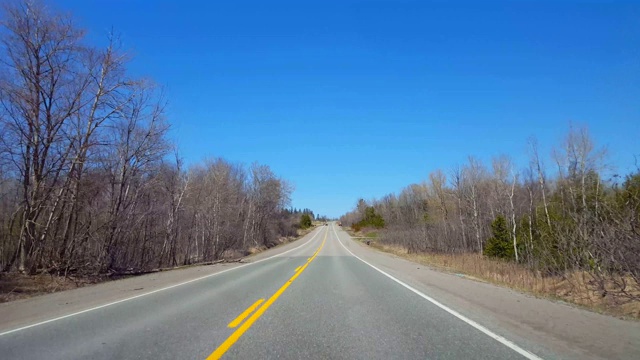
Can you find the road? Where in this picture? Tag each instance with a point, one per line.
(314, 299)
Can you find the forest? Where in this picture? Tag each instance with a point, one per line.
(90, 181)
(572, 214)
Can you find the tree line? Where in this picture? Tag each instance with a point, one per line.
(554, 219)
(89, 181)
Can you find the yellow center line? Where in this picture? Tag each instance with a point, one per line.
(245, 313)
(298, 268)
(226, 345)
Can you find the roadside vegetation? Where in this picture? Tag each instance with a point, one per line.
(305, 221)
(15, 285)
(91, 185)
(569, 229)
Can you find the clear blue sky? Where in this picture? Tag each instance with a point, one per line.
(350, 99)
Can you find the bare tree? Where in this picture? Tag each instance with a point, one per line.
(438, 182)
(474, 173)
(539, 168)
(458, 181)
(40, 93)
(503, 171)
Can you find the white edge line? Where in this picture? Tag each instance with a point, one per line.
(504, 341)
(154, 291)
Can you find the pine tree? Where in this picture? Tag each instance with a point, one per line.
(499, 245)
(305, 221)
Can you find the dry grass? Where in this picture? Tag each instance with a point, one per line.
(576, 287)
(14, 286)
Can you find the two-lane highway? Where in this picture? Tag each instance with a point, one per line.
(315, 301)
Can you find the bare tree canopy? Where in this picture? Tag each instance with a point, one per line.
(88, 179)
(573, 221)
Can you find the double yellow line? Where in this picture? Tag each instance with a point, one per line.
(226, 345)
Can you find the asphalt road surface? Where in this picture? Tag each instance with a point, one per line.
(314, 299)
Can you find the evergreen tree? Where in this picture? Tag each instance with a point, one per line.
(499, 245)
(372, 219)
(305, 221)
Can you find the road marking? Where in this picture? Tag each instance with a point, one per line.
(504, 341)
(227, 344)
(298, 268)
(154, 291)
(245, 313)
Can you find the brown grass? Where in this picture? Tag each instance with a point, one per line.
(14, 286)
(575, 287)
